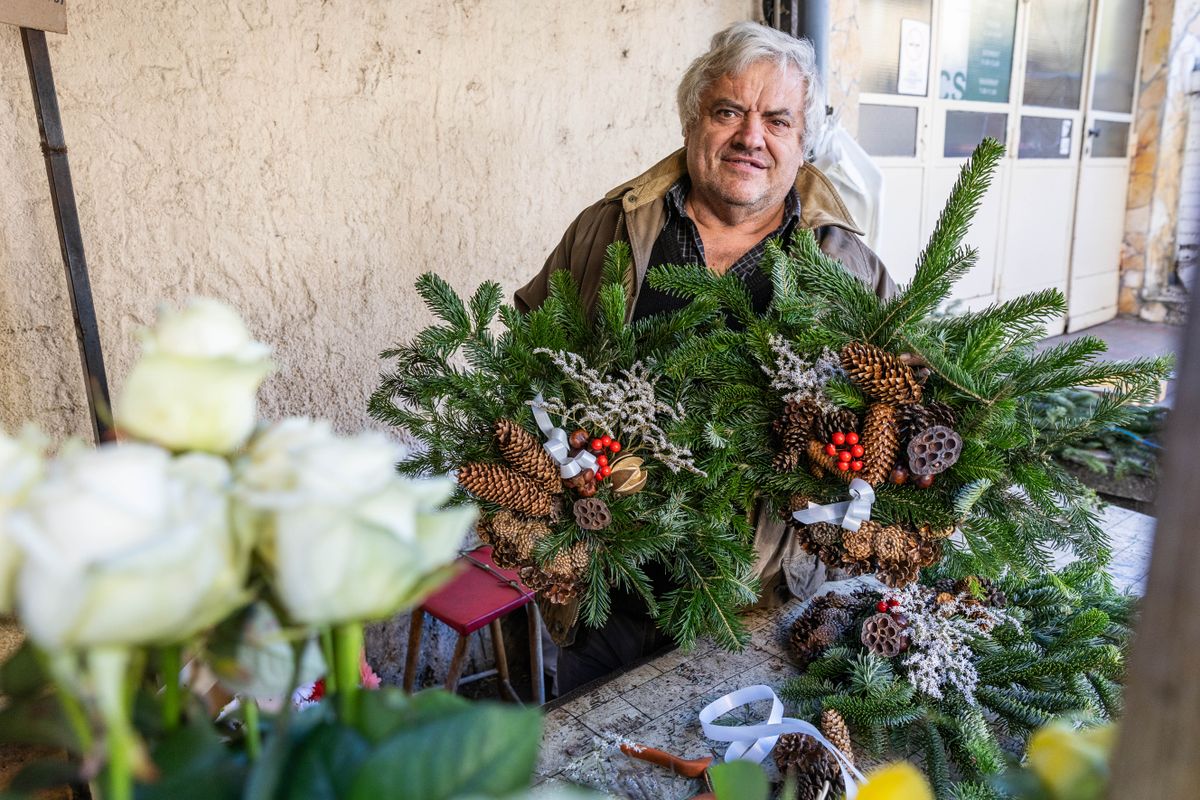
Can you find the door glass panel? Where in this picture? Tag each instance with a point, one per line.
(977, 49)
(1054, 66)
(966, 129)
(1113, 141)
(1116, 55)
(1045, 137)
(887, 130)
(895, 60)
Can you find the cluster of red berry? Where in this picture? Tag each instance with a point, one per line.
(851, 457)
(581, 439)
(892, 606)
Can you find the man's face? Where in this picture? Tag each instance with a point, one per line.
(744, 150)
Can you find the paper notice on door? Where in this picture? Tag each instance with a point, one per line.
(913, 75)
(1064, 139)
(44, 15)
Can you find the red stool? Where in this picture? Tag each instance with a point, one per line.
(480, 595)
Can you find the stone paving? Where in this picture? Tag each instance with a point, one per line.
(657, 702)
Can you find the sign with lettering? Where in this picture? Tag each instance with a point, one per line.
(977, 49)
(44, 15)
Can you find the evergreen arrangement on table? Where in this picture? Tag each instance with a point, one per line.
(957, 675)
(935, 412)
(565, 430)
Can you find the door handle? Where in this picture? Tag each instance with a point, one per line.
(1093, 132)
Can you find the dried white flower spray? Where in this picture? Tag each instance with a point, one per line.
(803, 378)
(625, 406)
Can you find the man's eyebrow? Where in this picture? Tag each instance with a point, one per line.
(725, 102)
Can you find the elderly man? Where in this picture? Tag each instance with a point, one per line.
(749, 107)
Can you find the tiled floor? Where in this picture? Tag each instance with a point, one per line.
(656, 704)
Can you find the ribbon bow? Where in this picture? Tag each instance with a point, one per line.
(850, 514)
(754, 742)
(556, 443)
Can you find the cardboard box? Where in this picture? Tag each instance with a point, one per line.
(46, 15)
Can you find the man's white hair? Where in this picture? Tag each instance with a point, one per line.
(736, 48)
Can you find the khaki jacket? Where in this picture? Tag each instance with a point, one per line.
(635, 212)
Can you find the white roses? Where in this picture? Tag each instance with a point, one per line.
(196, 384)
(346, 538)
(127, 545)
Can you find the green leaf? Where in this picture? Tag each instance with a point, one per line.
(324, 767)
(739, 780)
(22, 673)
(193, 762)
(388, 711)
(489, 750)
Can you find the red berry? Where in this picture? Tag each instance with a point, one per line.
(597, 445)
(893, 602)
(606, 440)
(838, 438)
(881, 607)
(605, 472)
(830, 450)
(844, 455)
(615, 446)
(856, 466)
(602, 460)
(843, 465)
(857, 451)
(851, 438)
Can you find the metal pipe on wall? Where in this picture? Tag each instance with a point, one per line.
(804, 18)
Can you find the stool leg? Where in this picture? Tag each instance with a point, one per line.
(457, 662)
(536, 664)
(502, 661)
(415, 623)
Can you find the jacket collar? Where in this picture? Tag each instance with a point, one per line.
(820, 204)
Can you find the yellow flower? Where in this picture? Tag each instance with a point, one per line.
(899, 781)
(1072, 764)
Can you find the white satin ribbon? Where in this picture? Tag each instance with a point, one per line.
(556, 444)
(850, 514)
(754, 742)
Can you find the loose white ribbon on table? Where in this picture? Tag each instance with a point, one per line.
(850, 514)
(556, 443)
(754, 742)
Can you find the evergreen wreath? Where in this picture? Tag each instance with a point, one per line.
(937, 412)
(1056, 648)
(464, 392)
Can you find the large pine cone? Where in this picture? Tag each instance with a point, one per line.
(525, 454)
(880, 441)
(893, 543)
(915, 418)
(516, 536)
(898, 574)
(502, 486)
(882, 635)
(826, 533)
(810, 764)
(827, 617)
(860, 544)
(835, 730)
(882, 375)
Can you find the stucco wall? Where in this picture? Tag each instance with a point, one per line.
(306, 161)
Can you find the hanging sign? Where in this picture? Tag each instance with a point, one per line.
(43, 15)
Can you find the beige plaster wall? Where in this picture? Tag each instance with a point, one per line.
(1170, 46)
(306, 161)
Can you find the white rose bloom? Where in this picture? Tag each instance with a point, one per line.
(125, 545)
(195, 386)
(21, 465)
(347, 538)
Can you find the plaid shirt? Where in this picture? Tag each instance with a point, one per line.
(680, 243)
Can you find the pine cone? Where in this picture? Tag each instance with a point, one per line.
(810, 764)
(880, 441)
(797, 415)
(830, 422)
(825, 620)
(525, 454)
(825, 533)
(860, 544)
(913, 418)
(820, 460)
(945, 585)
(835, 730)
(942, 413)
(498, 484)
(898, 574)
(882, 375)
(932, 534)
(882, 635)
(928, 553)
(519, 535)
(893, 543)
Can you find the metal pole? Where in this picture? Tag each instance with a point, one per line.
(70, 238)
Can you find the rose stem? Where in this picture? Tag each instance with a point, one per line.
(253, 735)
(331, 683)
(170, 661)
(348, 647)
(108, 666)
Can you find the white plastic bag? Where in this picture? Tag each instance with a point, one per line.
(854, 175)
